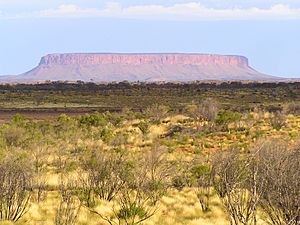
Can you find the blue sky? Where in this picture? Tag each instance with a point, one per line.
(266, 31)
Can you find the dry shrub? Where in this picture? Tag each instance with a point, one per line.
(69, 207)
(278, 120)
(279, 169)
(15, 191)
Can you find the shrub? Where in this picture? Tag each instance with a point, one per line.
(95, 119)
(69, 207)
(15, 191)
(113, 118)
(279, 172)
(13, 136)
(144, 127)
(207, 110)
(178, 182)
(106, 173)
(225, 117)
(292, 108)
(201, 174)
(119, 139)
(18, 120)
(157, 112)
(278, 120)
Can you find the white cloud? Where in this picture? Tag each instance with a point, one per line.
(192, 11)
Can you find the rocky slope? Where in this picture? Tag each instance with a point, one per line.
(140, 67)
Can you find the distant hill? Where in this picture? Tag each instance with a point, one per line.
(107, 67)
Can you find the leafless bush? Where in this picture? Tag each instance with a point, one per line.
(233, 182)
(145, 183)
(137, 200)
(39, 156)
(134, 206)
(278, 120)
(15, 191)
(207, 110)
(39, 185)
(267, 177)
(106, 174)
(85, 191)
(69, 207)
(155, 170)
(156, 111)
(291, 108)
(280, 171)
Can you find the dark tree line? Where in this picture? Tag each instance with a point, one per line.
(90, 86)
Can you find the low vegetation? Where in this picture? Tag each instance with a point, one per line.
(203, 164)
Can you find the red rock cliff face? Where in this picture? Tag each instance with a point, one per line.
(140, 59)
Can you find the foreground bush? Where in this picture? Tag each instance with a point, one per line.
(280, 172)
(15, 191)
(268, 179)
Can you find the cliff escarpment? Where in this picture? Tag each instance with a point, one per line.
(142, 59)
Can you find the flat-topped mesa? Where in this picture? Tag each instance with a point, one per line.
(142, 59)
(144, 67)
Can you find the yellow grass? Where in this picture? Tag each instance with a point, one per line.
(176, 208)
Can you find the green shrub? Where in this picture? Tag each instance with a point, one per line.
(113, 118)
(143, 126)
(178, 182)
(95, 119)
(18, 120)
(131, 211)
(199, 170)
(225, 117)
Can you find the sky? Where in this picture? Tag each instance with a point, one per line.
(265, 31)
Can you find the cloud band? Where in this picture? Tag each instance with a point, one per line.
(192, 11)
